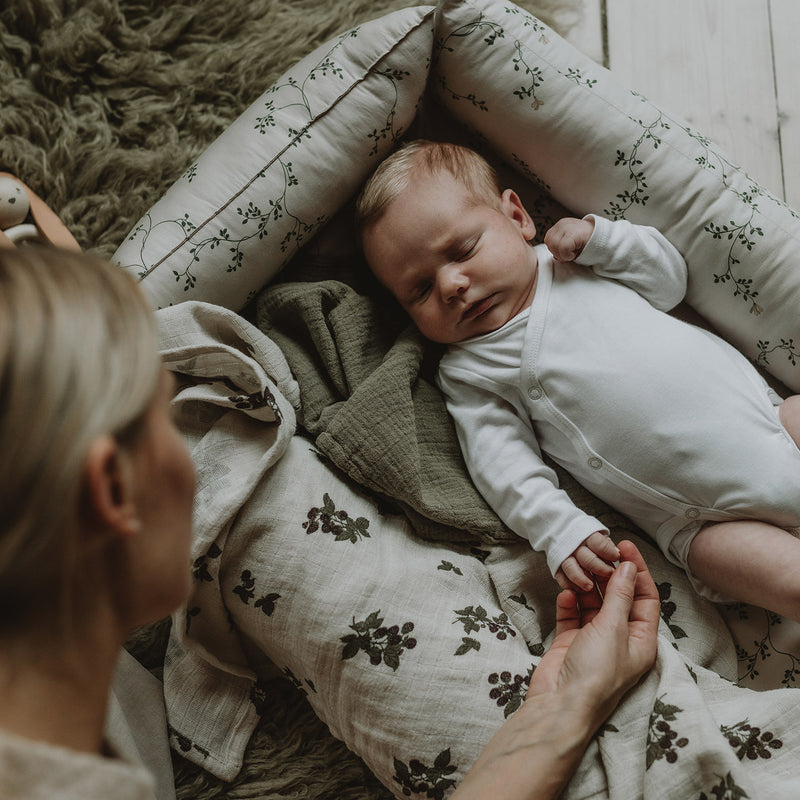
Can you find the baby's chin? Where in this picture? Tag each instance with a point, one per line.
(457, 337)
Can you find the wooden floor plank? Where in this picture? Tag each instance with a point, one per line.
(785, 25)
(709, 62)
(587, 34)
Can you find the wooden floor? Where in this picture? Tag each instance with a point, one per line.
(730, 68)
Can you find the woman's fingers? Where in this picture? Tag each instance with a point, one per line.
(620, 591)
(646, 603)
(568, 613)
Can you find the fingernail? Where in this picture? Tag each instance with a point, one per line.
(627, 569)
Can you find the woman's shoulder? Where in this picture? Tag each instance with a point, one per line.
(36, 770)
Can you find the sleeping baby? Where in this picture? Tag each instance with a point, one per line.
(565, 349)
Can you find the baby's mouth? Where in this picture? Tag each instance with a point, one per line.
(477, 308)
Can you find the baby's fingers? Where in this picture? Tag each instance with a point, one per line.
(574, 574)
(602, 545)
(591, 562)
(562, 246)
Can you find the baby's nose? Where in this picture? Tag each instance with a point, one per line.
(453, 282)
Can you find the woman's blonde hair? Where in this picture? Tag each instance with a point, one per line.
(78, 359)
(392, 176)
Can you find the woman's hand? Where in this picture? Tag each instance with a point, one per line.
(602, 646)
(601, 649)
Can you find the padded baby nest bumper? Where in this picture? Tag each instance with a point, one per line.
(295, 157)
(469, 625)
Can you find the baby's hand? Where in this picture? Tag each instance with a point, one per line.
(567, 238)
(594, 556)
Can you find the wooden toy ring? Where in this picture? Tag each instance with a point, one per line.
(23, 233)
(46, 225)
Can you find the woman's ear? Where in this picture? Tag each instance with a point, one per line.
(512, 207)
(109, 488)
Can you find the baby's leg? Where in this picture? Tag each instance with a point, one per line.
(751, 561)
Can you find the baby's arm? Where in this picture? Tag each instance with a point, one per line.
(503, 458)
(638, 256)
(594, 556)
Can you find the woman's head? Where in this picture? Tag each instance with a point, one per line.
(78, 364)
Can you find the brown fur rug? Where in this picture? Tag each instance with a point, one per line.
(103, 104)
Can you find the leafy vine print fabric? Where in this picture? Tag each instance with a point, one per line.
(234, 407)
(284, 167)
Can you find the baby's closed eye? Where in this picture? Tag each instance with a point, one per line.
(421, 291)
(466, 252)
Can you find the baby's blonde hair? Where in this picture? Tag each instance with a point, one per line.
(392, 176)
(78, 359)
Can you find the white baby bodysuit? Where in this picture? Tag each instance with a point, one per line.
(661, 419)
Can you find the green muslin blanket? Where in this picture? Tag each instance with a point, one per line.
(369, 400)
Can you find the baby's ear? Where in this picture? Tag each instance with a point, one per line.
(513, 208)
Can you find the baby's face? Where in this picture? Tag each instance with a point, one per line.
(459, 266)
